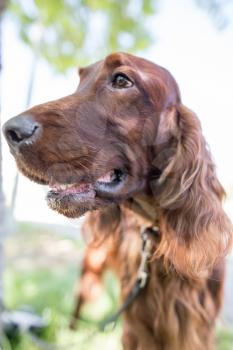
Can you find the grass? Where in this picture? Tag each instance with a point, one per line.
(225, 339)
(49, 293)
(41, 271)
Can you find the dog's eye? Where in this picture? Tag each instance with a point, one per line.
(121, 81)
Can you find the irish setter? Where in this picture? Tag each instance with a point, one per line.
(126, 149)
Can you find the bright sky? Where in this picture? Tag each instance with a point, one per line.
(187, 43)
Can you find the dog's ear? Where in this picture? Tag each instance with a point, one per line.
(195, 230)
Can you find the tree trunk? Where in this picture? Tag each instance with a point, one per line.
(2, 202)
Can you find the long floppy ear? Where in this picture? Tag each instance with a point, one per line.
(195, 230)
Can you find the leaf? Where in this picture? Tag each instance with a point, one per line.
(75, 31)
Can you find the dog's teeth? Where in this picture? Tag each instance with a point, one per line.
(70, 185)
(61, 187)
(107, 178)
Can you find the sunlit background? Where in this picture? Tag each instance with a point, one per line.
(192, 39)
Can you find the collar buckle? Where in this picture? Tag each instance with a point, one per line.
(146, 253)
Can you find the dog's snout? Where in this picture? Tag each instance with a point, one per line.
(20, 129)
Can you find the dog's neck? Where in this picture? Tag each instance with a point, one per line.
(146, 208)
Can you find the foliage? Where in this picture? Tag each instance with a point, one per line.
(71, 32)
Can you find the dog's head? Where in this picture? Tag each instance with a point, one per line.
(96, 146)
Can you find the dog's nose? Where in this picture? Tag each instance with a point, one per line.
(19, 129)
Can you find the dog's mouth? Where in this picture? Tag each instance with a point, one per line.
(106, 183)
(74, 199)
(73, 193)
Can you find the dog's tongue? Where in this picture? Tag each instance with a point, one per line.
(71, 188)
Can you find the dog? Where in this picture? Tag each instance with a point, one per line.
(124, 148)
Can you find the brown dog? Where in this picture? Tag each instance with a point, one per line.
(125, 144)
